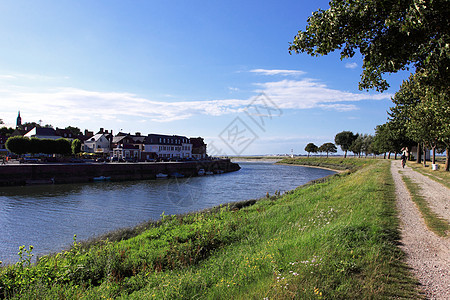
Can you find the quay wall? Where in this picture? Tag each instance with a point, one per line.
(13, 175)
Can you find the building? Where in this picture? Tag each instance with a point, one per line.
(198, 148)
(19, 121)
(99, 144)
(167, 146)
(42, 133)
(64, 133)
(127, 151)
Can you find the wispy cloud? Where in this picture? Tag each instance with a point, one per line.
(278, 72)
(308, 93)
(66, 105)
(351, 65)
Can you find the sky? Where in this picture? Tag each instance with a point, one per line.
(216, 69)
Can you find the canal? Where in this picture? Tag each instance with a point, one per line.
(47, 216)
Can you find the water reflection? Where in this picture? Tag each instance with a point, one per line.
(48, 216)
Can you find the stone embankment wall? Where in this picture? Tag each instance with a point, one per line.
(11, 175)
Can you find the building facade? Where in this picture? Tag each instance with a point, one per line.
(99, 144)
(167, 146)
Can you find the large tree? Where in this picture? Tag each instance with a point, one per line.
(345, 139)
(421, 113)
(76, 146)
(311, 148)
(74, 130)
(328, 148)
(390, 35)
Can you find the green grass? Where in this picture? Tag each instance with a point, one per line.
(335, 163)
(436, 224)
(440, 175)
(331, 240)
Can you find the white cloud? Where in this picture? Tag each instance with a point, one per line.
(67, 105)
(351, 65)
(278, 72)
(307, 94)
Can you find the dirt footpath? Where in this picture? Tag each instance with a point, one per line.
(426, 253)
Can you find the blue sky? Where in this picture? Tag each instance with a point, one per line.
(216, 69)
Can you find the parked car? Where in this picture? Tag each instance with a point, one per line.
(30, 160)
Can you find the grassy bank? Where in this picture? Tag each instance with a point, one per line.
(335, 163)
(331, 240)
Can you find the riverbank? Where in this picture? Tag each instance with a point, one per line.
(13, 175)
(333, 239)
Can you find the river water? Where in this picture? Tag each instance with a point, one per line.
(48, 216)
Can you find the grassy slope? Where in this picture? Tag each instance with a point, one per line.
(330, 240)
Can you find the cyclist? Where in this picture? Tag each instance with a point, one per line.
(403, 160)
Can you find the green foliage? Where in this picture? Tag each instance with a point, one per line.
(421, 113)
(18, 144)
(311, 148)
(328, 148)
(22, 145)
(5, 131)
(76, 146)
(345, 139)
(63, 146)
(390, 35)
(74, 130)
(331, 240)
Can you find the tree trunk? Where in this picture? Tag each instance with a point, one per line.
(327, 154)
(424, 156)
(384, 155)
(447, 159)
(434, 155)
(345, 154)
(418, 154)
(389, 155)
(395, 157)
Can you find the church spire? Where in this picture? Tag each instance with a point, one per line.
(19, 121)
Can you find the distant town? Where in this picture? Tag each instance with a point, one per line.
(105, 145)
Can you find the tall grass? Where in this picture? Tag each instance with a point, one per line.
(331, 240)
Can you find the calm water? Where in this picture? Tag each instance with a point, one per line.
(48, 216)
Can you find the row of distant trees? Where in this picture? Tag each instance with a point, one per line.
(348, 141)
(383, 142)
(23, 145)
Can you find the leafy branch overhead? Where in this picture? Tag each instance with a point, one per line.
(390, 35)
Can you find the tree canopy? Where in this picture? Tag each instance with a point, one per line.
(390, 35)
(311, 148)
(345, 139)
(422, 114)
(328, 148)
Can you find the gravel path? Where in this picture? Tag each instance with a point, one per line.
(427, 254)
